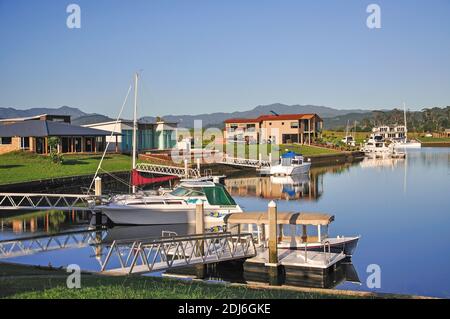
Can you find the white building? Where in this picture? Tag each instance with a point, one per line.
(160, 135)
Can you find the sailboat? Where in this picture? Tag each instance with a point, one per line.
(168, 207)
(404, 142)
(349, 139)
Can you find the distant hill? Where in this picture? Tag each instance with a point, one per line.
(217, 119)
(9, 112)
(428, 119)
(91, 119)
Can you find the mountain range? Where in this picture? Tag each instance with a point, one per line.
(332, 117)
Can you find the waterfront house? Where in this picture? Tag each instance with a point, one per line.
(32, 134)
(396, 132)
(283, 128)
(150, 136)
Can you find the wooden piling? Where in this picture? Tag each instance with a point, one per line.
(200, 229)
(273, 233)
(273, 266)
(98, 186)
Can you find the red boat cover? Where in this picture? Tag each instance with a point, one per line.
(137, 179)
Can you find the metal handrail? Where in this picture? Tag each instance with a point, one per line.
(168, 252)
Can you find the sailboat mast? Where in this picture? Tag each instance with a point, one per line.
(135, 124)
(404, 118)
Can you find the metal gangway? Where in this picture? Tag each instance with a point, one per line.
(159, 254)
(247, 162)
(18, 247)
(168, 170)
(30, 201)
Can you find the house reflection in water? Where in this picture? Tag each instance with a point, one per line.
(42, 222)
(302, 187)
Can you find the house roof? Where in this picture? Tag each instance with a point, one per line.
(47, 128)
(273, 118)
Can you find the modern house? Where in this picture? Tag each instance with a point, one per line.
(33, 133)
(396, 132)
(276, 129)
(150, 136)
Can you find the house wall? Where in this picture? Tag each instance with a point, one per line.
(14, 146)
(241, 131)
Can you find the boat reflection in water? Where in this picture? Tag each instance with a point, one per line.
(234, 271)
(297, 187)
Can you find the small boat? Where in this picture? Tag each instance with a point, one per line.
(290, 236)
(171, 207)
(405, 142)
(291, 163)
(377, 147)
(348, 140)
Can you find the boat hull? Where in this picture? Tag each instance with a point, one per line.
(290, 170)
(407, 145)
(145, 216)
(337, 245)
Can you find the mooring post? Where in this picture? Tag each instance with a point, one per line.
(273, 244)
(98, 190)
(199, 217)
(98, 186)
(186, 170)
(273, 233)
(200, 229)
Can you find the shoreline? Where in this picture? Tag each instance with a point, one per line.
(79, 181)
(53, 279)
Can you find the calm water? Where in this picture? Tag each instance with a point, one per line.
(401, 208)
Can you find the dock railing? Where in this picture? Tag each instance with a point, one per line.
(148, 255)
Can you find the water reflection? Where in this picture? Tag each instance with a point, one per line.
(392, 204)
(13, 224)
(308, 187)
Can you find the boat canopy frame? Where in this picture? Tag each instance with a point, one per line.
(288, 218)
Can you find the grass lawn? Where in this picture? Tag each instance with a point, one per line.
(17, 281)
(307, 150)
(24, 166)
(335, 136)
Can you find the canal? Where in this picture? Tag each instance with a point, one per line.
(401, 208)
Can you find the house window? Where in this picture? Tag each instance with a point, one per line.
(294, 124)
(5, 140)
(25, 143)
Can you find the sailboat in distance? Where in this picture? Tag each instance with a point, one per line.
(404, 142)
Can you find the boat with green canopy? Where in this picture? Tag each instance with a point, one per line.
(176, 206)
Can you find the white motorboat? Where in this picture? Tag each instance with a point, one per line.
(349, 140)
(172, 207)
(377, 147)
(290, 164)
(296, 231)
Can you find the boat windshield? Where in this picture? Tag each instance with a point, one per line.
(218, 195)
(184, 191)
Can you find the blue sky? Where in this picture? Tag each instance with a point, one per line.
(205, 56)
